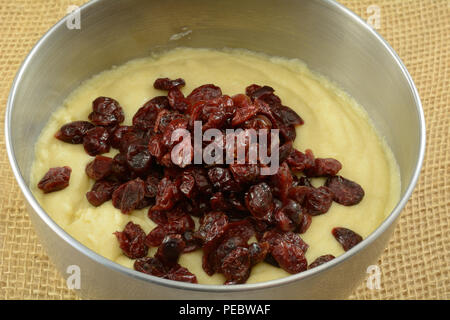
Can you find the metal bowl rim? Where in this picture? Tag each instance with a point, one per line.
(217, 288)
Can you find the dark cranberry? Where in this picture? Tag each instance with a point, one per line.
(101, 192)
(259, 201)
(204, 92)
(100, 168)
(177, 100)
(252, 88)
(187, 186)
(192, 243)
(299, 161)
(243, 114)
(318, 201)
(96, 141)
(345, 192)
(179, 273)
(167, 84)
(290, 257)
(236, 266)
(258, 252)
(346, 237)
(305, 223)
(258, 122)
(290, 117)
(222, 179)
(151, 266)
(131, 241)
(145, 117)
(106, 112)
(284, 223)
(321, 260)
(282, 181)
(74, 132)
(245, 173)
(128, 196)
(151, 186)
(138, 158)
(55, 179)
(255, 91)
(116, 137)
(170, 249)
(168, 194)
(324, 167)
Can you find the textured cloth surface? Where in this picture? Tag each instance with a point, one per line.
(415, 265)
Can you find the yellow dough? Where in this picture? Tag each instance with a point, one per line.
(335, 126)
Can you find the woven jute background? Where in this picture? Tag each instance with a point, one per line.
(415, 265)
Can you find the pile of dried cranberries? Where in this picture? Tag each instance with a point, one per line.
(235, 203)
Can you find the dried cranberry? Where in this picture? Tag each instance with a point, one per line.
(179, 273)
(290, 257)
(145, 117)
(275, 236)
(138, 158)
(170, 249)
(151, 186)
(324, 167)
(243, 114)
(55, 179)
(251, 89)
(192, 243)
(177, 100)
(100, 168)
(187, 186)
(167, 84)
(236, 266)
(245, 173)
(318, 201)
(204, 92)
(151, 266)
(164, 118)
(321, 260)
(74, 132)
(222, 179)
(128, 196)
(101, 192)
(116, 137)
(305, 223)
(168, 194)
(96, 141)
(287, 249)
(346, 237)
(258, 252)
(282, 181)
(284, 223)
(299, 161)
(345, 192)
(106, 112)
(131, 241)
(156, 236)
(255, 91)
(259, 201)
(290, 117)
(258, 122)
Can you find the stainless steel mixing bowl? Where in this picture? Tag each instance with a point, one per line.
(329, 38)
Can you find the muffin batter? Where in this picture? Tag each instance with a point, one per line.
(335, 126)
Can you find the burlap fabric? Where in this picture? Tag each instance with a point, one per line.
(415, 265)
